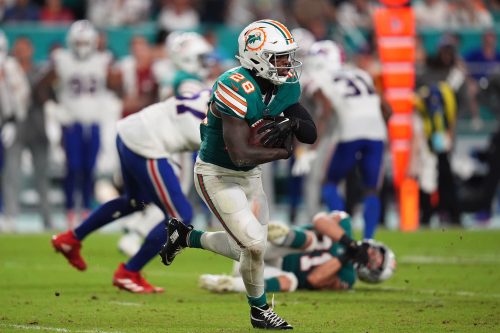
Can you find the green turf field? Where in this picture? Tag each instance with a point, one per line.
(447, 281)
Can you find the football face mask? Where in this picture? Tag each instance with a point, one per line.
(381, 263)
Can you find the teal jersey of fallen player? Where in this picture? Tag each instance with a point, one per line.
(237, 94)
(301, 264)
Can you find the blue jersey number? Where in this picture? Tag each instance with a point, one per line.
(356, 85)
(80, 86)
(181, 107)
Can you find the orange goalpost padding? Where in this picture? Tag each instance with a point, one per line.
(395, 35)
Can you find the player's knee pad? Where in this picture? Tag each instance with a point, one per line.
(257, 249)
(247, 230)
(292, 279)
(252, 258)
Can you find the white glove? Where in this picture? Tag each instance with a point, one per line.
(303, 163)
(8, 134)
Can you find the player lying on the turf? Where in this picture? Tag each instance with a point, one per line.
(321, 256)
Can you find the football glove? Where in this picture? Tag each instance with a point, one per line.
(278, 131)
(303, 162)
(357, 252)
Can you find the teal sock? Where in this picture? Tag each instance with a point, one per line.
(257, 301)
(272, 285)
(194, 239)
(299, 239)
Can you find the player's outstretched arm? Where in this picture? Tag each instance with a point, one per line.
(328, 225)
(236, 135)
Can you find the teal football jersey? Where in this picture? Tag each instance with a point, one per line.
(237, 94)
(301, 264)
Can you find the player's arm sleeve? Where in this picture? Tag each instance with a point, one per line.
(306, 131)
(230, 102)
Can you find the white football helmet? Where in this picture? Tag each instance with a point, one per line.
(4, 47)
(386, 269)
(82, 38)
(260, 46)
(325, 55)
(189, 52)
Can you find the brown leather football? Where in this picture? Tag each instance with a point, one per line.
(255, 137)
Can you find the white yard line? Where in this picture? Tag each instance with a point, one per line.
(52, 329)
(442, 292)
(419, 259)
(125, 303)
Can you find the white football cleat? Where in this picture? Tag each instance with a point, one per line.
(216, 283)
(277, 232)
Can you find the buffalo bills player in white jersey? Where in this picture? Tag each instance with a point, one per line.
(146, 142)
(361, 130)
(188, 72)
(82, 75)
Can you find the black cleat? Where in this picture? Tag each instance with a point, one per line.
(177, 240)
(267, 319)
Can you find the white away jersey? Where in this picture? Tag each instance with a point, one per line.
(82, 84)
(165, 128)
(356, 104)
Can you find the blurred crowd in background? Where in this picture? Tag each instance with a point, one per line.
(456, 45)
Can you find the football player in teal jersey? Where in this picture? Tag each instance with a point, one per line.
(320, 256)
(227, 172)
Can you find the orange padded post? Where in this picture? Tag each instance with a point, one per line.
(394, 22)
(400, 127)
(401, 101)
(398, 75)
(395, 34)
(409, 205)
(400, 153)
(390, 3)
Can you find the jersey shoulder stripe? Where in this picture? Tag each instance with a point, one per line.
(231, 99)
